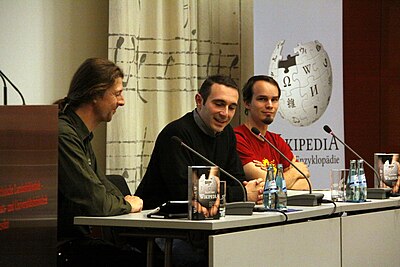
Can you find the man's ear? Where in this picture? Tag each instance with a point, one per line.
(246, 105)
(199, 100)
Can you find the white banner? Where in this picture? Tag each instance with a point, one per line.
(299, 43)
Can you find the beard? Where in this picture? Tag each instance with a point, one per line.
(268, 120)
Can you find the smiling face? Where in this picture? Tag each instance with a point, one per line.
(264, 103)
(220, 107)
(106, 106)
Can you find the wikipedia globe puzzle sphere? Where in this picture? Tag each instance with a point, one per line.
(305, 80)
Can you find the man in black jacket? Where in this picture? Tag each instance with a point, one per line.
(206, 129)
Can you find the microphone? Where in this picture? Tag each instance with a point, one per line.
(311, 199)
(373, 193)
(232, 208)
(3, 76)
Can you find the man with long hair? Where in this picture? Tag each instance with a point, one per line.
(94, 95)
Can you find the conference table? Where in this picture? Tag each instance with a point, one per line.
(344, 234)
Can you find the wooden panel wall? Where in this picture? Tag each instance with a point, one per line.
(28, 185)
(390, 76)
(371, 64)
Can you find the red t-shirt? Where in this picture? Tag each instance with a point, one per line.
(250, 148)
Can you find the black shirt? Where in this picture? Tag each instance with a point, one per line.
(166, 177)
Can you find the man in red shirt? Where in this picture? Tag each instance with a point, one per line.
(261, 100)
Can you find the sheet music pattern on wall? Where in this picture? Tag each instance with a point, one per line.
(166, 52)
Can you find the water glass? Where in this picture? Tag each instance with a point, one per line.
(338, 178)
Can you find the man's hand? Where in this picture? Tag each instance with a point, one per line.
(255, 189)
(294, 179)
(136, 203)
(260, 165)
(302, 167)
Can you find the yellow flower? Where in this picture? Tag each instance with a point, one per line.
(266, 163)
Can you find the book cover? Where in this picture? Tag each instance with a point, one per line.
(387, 166)
(203, 192)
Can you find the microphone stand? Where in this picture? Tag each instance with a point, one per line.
(222, 170)
(232, 208)
(372, 193)
(310, 199)
(3, 76)
(4, 90)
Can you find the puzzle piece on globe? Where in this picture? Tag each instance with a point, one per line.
(305, 79)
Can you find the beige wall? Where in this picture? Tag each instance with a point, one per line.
(43, 42)
(246, 50)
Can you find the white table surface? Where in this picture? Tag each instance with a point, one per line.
(233, 221)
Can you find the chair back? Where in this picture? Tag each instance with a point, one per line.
(120, 182)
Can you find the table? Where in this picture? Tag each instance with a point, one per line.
(314, 236)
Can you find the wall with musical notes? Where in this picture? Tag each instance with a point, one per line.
(166, 52)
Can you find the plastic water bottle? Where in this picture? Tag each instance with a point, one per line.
(352, 187)
(281, 189)
(270, 189)
(362, 180)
